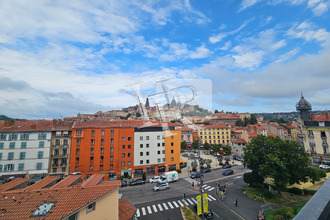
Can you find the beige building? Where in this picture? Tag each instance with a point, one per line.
(219, 134)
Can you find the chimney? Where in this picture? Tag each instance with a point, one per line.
(9, 123)
(33, 126)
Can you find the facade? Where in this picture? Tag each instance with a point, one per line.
(187, 135)
(60, 148)
(25, 147)
(237, 147)
(277, 131)
(313, 135)
(215, 134)
(172, 149)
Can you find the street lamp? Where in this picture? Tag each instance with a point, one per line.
(201, 178)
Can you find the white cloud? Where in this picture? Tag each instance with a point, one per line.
(248, 59)
(247, 3)
(288, 55)
(201, 52)
(217, 38)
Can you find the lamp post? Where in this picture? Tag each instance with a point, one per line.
(201, 178)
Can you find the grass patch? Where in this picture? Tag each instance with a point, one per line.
(259, 194)
(188, 213)
(284, 212)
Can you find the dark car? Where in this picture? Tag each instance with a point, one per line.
(206, 170)
(235, 157)
(123, 183)
(195, 175)
(227, 172)
(137, 182)
(226, 166)
(209, 214)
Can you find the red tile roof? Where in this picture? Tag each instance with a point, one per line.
(12, 184)
(62, 125)
(218, 125)
(252, 134)
(66, 182)
(93, 180)
(239, 141)
(16, 126)
(41, 183)
(126, 209)
(322, 117)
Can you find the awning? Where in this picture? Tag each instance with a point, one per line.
(12, 176)
(38, 172)
(182, 161)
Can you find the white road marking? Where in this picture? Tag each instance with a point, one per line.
(193, 199)
(154, 207)
(137, 213)
(149, 209)
(180, 203)
(164, 204)
(176, 205)
(160, 207)
(211, 197)
(190, 201)
(207, 187)
(185, 202)
(237, 177)
(143, 211)
(211, 189)
(170, 205)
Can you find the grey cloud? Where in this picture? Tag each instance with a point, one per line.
(6, 83)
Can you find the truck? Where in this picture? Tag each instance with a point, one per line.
(169, 176)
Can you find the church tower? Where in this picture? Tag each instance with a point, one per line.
(304, 109)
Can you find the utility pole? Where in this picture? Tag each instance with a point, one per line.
(201, 178)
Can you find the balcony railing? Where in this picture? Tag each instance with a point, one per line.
(63, 165)
(325, 144)
(55, 165)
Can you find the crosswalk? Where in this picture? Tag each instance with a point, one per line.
(168, 205)
(208, 188)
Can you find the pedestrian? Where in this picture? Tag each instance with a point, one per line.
(223, 197)
(221, 194)
(236, 202)
(193, 184)
(184, 195)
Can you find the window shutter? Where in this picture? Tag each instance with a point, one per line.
(5, 169)
(39, 136)
(0, 167)
(16, 136)
(10, 137)
(27, 137)
(12, 167)
(4, 137)
(21, 136)
(45, 136)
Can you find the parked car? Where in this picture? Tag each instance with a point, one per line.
(195, 175)
(226, 166)
(209, 214)
(162, 186)
(123, 183)
(154, 179)
(235, 157)
(324, 166)
(137, 182)
(227, 172)
(206, 170)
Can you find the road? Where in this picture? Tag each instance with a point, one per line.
(165, 204)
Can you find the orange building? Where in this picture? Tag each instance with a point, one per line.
(103, 147)
(172, 149)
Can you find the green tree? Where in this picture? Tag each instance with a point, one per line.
(239, 122)
(195, 144)
(246, 121)
(226, 149)
(184, 145)
(253, 120)
(216, 149)
(284, 161)
(316, 174)
(206, 146)
(138, 114)
(216, 111)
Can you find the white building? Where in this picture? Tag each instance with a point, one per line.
(24, 147)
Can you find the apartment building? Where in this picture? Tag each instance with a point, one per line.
(187, 135)
(215, 134)
(60, 148)
(25, 147)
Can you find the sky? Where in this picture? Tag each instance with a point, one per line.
(60, 58)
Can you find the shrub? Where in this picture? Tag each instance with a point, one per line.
(253, 178)
(328, 170)
(295, 190)
(286, 212)
(278, 217)
(309, 192)
(178, 170)
(121, 177)
(194, 169)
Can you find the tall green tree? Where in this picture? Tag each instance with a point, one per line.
(226, 149)
(195, 144)
(253, 119)
(216, 149)
(239, 122)
(184, 145)
(206, 146)
(284, 161)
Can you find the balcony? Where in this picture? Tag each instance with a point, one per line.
(325, 144)
(311, 135)
(55, 165)
(312, 144)
(65, 146)
(63, 165)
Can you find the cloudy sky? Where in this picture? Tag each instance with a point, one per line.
(60, 58)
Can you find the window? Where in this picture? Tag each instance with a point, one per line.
(163, 136)
(147, 153)
(10, 167)
(102, 133)
(23, 145)
(123, 147)
(91, 159)
(101, 159)
(3, 137)
(64, 152)
(93, 133)
(129, 155)
(128, 163)
(101, 166)
(54, 170)
(13, 137)
(1, 145)
(77, 159)
(141, 153)
(141, 138)
(63, 169)
(111, 150)
(111, 158)
(112, 141)
(158, 144)
(102, 142)
(91, 207)
(57, 152)
(42, 136)
(79, 133)
(102, 150)
(55, 162)
(158, 152)
(92, 142)
(147, 145)
(158, 160)
(123, 138)
(163, 151)
(0, 156)
(172, 151)
(22, 156)
(112, 132)
(111, 166)
(57, 143)
(171, 136)
(123, 163)
(91, 167)
(129, 146)
(163, 159)
(24, 136)
(172, 144)
(63, 162)
(40, 154)
(10, 156)
(141, 161)
(76, 168)
(158, 137)
(129, 138)
(39, 166)
(92, 151)
(163, 144)
(122, 155)
(78, 142)
(172, 159)
(147, 138)
(12, 145)
(41, 144)
(141, 145)
(147, 162)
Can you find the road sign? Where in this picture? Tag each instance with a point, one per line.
(199, 205)
(205, 203)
